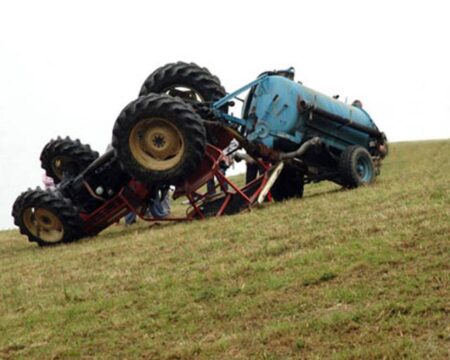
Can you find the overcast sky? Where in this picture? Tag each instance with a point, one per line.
(68, 68)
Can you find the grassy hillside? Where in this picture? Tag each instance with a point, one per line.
(338, 274)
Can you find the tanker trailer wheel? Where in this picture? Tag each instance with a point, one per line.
(356, 167)
(159, 139)
(66, 158)
(46, 217)
(289, 185)
(190, 82)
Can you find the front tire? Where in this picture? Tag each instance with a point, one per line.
(356, 167)
(159, 139)
(66, 158)
(46, 217)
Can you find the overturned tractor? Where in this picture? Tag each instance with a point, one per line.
(175, 134)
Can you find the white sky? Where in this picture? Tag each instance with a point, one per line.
(68, 68)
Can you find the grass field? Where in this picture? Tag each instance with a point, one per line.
(361, 274)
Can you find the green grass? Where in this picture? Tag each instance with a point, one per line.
(361, 274)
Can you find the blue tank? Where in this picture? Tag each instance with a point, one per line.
(286, 110)
(317, 136)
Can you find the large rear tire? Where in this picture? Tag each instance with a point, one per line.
(193, 84)
(290, 184)
(187, 81)
(66, 158)
(46, 217)
(159, 139)
(356, 167)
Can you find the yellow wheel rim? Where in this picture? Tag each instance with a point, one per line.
(43, 224)
(156, 144)
(57, 166)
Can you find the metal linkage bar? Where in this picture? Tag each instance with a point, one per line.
(223, 101)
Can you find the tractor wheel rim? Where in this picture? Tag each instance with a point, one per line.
(43, 224)
(57, 164)
(60, 164)
(156, 144)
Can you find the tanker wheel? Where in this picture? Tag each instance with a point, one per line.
(159, 139)
(46, 217)
(290, 184)
(187, 81)
(66, 158)
(356, 167)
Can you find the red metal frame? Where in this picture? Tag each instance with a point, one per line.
(134, 196)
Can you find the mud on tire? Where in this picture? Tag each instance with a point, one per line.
(46, 217)
(66, 158)
(159, 139)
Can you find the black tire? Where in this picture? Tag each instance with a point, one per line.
(193, 84)
(289, 184)
(191, 76)
(356, 167)
(167, 156)
(46, 217)
(66, 158)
